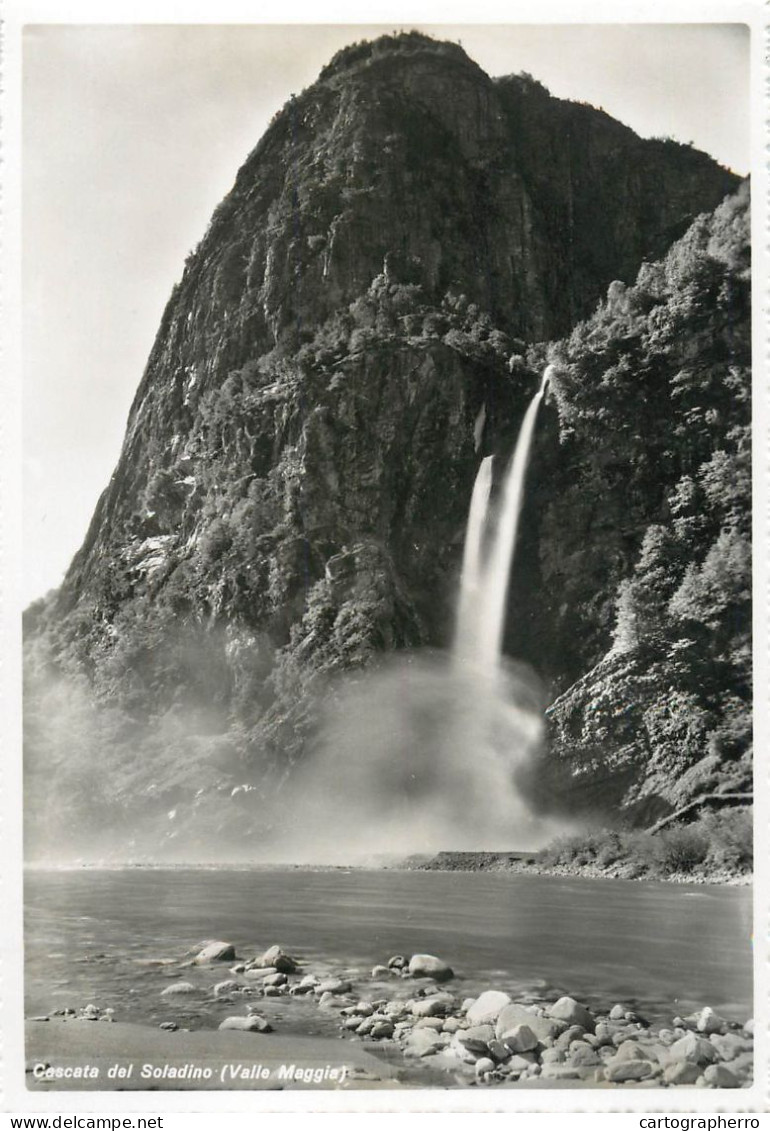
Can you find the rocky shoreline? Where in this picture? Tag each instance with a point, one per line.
(410, 1017)
(499, 863)
(528, 864)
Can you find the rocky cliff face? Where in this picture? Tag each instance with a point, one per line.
(292, 491)
(648, 544)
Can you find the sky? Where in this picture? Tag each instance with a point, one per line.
(132, 134)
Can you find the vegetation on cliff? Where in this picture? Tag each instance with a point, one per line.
(648, 541)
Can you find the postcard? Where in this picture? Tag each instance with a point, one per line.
(385, 522)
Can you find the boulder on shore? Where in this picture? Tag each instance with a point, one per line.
(277, 959)
(731, 1045)
(474, 1040)
(435, 1023)
(681, 1072)
(521, 1038)
(487, 1007)
(429, 966)
(571, 1011)
(178, 988)
(708, 1022)
(695, 1050)
(423, 1042)
(252, 1024)
(514, 1015)
(259, 972)
(553, 1056)
(216, 951)
(332, 986)
(632, 1050)
(622, 1071)
(437, 1005)
(720, 1076)
(560, 1072)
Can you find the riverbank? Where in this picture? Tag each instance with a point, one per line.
(500, 863)
(715, 847)
(406, 1024)
(77, 1055)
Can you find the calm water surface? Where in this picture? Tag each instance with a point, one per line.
(666, 948)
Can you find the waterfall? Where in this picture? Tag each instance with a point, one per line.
(471, 579)
(430, 752)
(484, 583)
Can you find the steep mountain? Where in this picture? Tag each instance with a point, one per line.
(357, 326)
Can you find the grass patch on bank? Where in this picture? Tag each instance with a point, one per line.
(715, 842)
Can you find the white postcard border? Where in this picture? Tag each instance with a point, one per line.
(15, 1097)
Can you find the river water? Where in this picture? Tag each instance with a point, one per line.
(99, 935)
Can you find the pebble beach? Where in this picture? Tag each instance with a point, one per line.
(406, 1024)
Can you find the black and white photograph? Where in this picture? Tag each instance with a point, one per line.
(388, 702)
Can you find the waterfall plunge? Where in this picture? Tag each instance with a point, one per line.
(472, 578)
(421, 753)
(484, 584)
